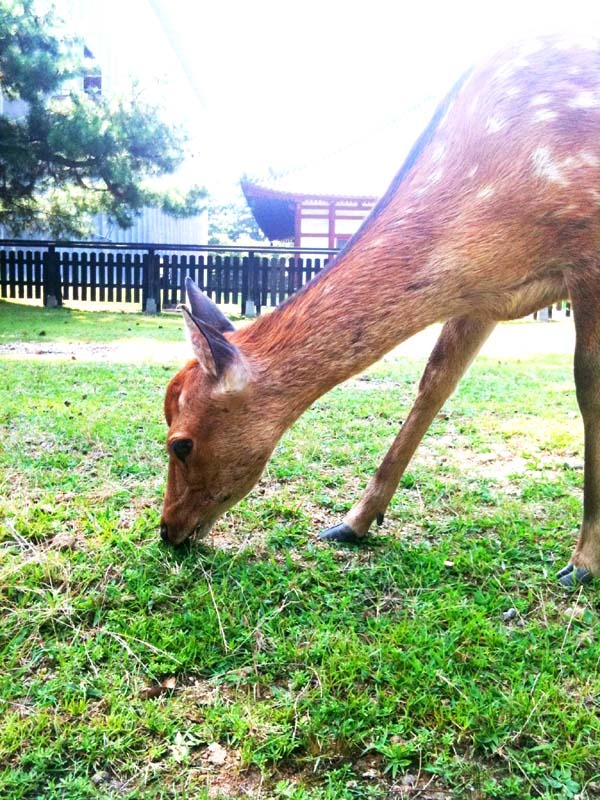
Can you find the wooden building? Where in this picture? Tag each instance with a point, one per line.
(307, 220)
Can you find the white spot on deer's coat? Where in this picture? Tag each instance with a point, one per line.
(545, 167)
(580, 160)
(513, 91)
(544, 114)
(473, 171)
(495, 124)
(486, 192)
(540, 99)
(438, 152)
(585, 99)
(433, 177)
(405, 219)
(589, 159)
(506, 70)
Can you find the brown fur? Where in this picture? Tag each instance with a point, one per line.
(498, 216)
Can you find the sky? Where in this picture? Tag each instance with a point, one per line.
(336, 90)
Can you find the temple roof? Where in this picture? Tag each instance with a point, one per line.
(275, 210)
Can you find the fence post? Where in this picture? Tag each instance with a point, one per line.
(151, 283)
(249, 286)
(51, 278)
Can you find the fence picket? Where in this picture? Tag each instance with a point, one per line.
(12, 277)
(226, 282)
(127, 276)
(3, 274)
(37, 274)
(217, 277)
(210, 264)
(200, 277)
(19, 273)
(75, 276)
(177, 279)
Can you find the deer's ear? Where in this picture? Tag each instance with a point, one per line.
(217, 356)
(204, 310)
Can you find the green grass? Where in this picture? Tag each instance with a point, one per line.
(28, 323)
(321, 672)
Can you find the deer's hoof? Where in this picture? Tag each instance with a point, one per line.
(571, 576)
(341, 533)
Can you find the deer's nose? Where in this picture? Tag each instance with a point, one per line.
(164, 532)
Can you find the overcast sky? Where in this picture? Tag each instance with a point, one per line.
(270, 84)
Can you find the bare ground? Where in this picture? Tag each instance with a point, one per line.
(131, 351)
(511, 340)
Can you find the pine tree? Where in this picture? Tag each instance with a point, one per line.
(65, 157)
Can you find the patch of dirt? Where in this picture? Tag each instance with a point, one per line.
(498, 464)
(518, 340)
(228, 780)
(122, 352)
(221, 771)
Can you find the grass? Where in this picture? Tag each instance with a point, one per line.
(30, 323)
(443, 658)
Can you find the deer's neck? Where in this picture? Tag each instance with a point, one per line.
(367, 302)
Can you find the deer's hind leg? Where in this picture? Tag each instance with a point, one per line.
(585, 299)
(458, 344)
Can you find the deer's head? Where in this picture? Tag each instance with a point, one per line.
(216, 453)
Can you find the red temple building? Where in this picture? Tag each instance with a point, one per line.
(307, 220)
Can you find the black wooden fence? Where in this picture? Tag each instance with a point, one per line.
(153, 276)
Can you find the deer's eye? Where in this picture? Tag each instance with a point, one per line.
(181, 448)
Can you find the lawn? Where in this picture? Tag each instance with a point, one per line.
(442, 660)
(31, 323)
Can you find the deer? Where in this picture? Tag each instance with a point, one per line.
(494, 214)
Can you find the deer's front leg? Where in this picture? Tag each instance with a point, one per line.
(585, 561)
(458, 344)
